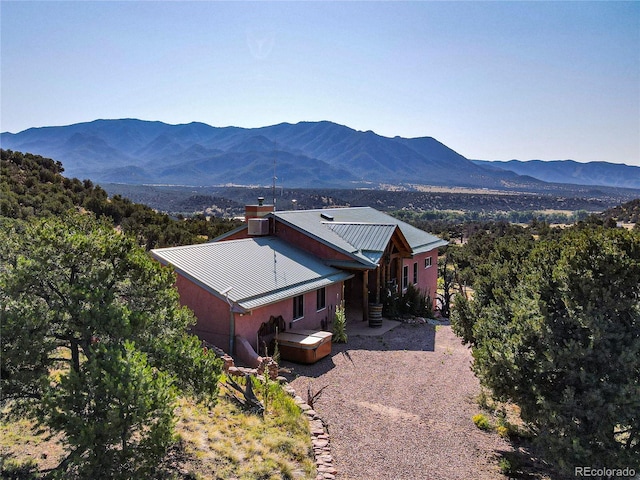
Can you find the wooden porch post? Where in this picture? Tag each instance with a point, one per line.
(378, 274)
(365, 295)
(387, 276)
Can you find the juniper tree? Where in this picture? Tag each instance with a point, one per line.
(557, 331)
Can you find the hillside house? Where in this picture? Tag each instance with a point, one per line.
(297, 267)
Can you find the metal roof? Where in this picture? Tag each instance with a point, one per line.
(364, 236)
(259, 270)
(313, 225)
(314, 222)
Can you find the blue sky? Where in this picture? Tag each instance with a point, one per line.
(492, 80)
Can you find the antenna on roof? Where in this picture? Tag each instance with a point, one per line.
(273, 191)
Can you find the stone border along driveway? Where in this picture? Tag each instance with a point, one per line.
(317, 428)
(319, 438)
(398, 404)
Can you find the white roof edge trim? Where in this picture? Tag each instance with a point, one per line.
(431, 246)
(379, 224)
(251, 303)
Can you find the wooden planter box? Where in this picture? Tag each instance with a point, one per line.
(304, 346)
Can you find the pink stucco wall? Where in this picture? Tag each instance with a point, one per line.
(427, 277)
(213, 313)
(248, 325)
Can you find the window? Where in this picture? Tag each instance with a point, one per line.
(405, 276)
(321, 301)
(415, 273)
(427, 262)
(298, 307)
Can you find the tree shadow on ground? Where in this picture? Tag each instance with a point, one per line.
(525, 463)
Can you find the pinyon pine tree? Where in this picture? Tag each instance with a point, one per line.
(95, 344)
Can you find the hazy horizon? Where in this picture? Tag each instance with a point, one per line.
(491, 80)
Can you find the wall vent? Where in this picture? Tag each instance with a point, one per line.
(258, 226)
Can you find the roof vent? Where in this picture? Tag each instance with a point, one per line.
(326, 216)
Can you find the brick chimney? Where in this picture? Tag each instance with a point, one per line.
(257, 211)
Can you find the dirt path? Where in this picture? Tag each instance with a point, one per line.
(400, 406)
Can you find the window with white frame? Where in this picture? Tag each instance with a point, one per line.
(405, 276)
(427, 262)
(415, 273)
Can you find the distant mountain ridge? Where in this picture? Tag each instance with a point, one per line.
(306, 154)
(570, 171)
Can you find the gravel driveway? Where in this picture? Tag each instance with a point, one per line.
(400, 406)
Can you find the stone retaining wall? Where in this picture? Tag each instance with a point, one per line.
(319, 438)
(319, 434)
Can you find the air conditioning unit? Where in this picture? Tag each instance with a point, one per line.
(258, 226)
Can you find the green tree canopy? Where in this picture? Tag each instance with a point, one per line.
(33, 186)
(95, 342)
(555, 328)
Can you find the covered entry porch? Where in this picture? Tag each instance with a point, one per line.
(370, 287)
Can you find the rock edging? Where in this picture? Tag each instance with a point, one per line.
(319, 437)
(319, 434)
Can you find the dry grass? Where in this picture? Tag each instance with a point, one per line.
(22, 444)
(506, 418)
(234, 444)
(220, 443)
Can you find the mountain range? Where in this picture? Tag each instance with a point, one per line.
(304, 155)
(570, 171)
